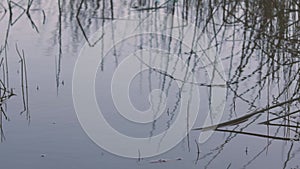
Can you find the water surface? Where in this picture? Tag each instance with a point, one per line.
(257, 42)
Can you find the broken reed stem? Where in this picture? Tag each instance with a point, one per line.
(246, 117)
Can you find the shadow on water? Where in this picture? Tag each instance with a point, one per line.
(258, 42)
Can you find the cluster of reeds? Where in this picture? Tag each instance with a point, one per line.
(6, 92)
(258, 42)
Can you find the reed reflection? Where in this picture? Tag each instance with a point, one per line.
(258, 42)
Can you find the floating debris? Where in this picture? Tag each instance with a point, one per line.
(165, 160)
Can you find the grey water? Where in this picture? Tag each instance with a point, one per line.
(257, 43)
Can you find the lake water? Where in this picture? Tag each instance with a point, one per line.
(255, 42)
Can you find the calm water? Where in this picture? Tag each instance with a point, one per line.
(257, 43)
